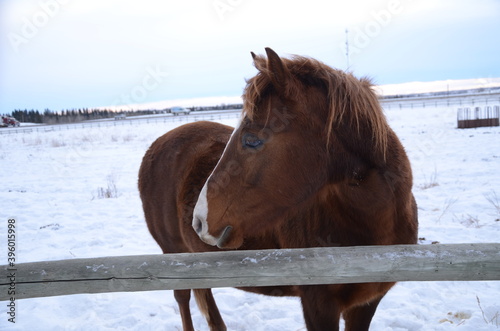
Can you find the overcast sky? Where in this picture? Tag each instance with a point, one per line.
(61, 54)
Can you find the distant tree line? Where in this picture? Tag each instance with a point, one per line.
(84, 114)
(64, 116)
(218, 107)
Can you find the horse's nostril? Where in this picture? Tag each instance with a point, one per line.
(197, 226)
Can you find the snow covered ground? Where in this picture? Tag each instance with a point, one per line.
(56, 184)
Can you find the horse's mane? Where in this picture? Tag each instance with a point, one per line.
(351, 101)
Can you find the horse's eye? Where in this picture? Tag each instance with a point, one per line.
(251, 141)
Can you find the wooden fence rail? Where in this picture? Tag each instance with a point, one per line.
(459, 262)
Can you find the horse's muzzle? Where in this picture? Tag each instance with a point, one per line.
(201, 229)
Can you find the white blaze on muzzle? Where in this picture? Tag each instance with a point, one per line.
(200, 212)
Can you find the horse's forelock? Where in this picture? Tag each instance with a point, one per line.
(351, 101)
(254, 91)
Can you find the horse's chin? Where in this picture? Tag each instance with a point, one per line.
(226, 240)
(224, 237)
(230, 242)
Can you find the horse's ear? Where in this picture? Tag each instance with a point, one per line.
(278, 72)
(259, 62)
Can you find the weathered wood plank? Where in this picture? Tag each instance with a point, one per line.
(308, 266)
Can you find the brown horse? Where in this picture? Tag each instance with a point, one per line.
(312, 163)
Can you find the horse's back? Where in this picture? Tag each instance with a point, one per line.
(171, 176)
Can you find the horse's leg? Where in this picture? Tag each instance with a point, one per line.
(182, 297)
(359, 318)
(208, 308)
(320, 311)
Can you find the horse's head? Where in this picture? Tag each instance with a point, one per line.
(304, 126)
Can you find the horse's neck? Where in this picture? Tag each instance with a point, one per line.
(339, 219)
